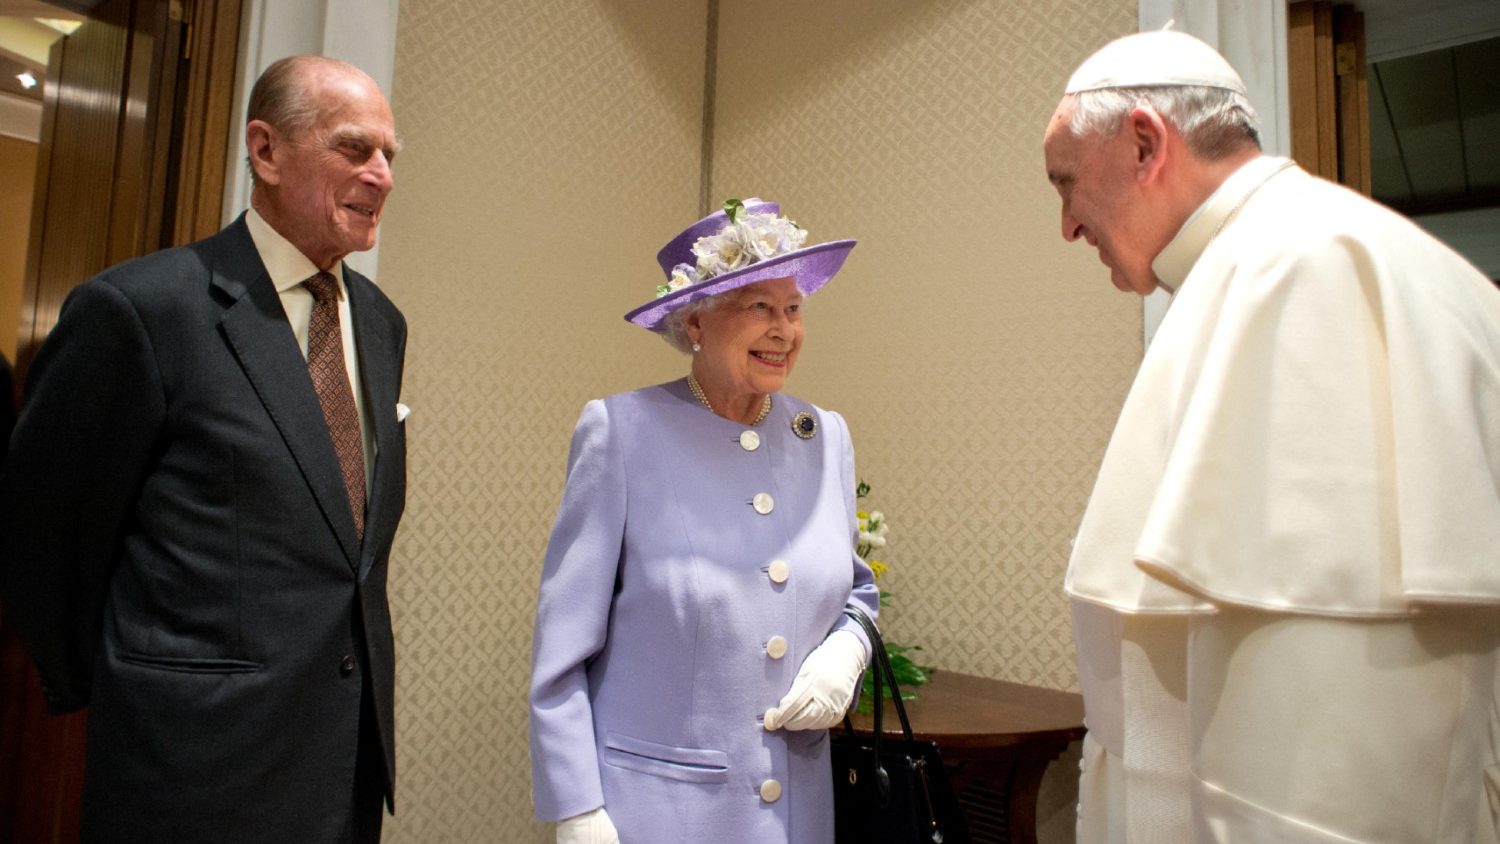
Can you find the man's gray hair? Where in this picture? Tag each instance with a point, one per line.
(1215, 122)
(281, 96)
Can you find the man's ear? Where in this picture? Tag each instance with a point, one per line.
(1149, 134)
(262, 142)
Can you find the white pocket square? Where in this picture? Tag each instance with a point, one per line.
(402, 411)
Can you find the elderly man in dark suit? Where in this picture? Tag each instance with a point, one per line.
(202, 492)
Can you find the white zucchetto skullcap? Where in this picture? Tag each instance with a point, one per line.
(1151, 59)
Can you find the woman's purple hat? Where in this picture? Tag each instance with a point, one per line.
(741, 244)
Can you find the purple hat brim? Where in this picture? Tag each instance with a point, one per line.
(812, 267)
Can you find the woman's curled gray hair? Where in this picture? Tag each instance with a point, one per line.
(1214, 122)
(674, 325)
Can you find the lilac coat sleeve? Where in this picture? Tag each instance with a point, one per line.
(572, 620)
(865, 596)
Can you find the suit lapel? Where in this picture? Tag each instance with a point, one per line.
(378, 374)
(256, 327)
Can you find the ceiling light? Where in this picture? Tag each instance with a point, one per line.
(66, 27)
(27, 80)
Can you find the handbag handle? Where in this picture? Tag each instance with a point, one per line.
(881, 664)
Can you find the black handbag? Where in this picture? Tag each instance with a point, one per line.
(890, 790)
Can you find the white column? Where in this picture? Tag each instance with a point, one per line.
(361, 32)
(1251, 34)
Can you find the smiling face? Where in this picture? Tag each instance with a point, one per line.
(324, 187)
(750, 343)
(1095, 176)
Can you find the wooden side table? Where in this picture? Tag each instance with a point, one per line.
(997, 739)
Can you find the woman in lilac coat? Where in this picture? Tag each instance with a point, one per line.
(691, 646)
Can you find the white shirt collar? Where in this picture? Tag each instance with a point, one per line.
(286, 265)
(1174, 262)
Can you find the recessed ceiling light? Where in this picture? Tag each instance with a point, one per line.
(27, 80)
(66, 27)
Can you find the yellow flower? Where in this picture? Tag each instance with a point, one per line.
(878, 567)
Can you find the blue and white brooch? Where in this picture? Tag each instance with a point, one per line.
(804, 425)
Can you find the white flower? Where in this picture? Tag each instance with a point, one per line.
(721, 253)
(872, 530)
(750, 238)
(682, 276)
(767, 235)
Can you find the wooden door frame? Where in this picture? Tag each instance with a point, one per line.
(176, 73)
(1328, 92)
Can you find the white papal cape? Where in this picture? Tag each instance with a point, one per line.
(1287, 582)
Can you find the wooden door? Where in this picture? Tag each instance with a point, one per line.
(1330, 100)
(132, 157)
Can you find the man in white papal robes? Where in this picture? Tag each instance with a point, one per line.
(1286, 586)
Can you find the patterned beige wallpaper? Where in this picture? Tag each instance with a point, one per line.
(550, 146)
(553, 145)
(979, 359)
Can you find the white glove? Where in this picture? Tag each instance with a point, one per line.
(588, 828)
(824, 687)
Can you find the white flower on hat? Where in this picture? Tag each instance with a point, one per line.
(683, 275)
(767, 235)
(748, 238)
(721, 253)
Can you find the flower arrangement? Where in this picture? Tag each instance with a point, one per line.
(747, 239)
(873, 527)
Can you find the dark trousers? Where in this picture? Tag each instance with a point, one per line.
(369, 778)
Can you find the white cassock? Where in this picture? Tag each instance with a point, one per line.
(1286, 586)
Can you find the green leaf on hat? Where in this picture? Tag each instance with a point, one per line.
(732, 207)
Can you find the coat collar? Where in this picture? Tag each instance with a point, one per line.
(379, 365)
(257, 331)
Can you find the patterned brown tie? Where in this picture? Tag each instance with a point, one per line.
(330, 377)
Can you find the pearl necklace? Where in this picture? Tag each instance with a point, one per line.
(765, 409)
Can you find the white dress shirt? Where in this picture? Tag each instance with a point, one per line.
(288, 268)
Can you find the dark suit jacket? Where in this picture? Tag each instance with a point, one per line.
(182, 558)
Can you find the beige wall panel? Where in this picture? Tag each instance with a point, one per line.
(552, 146)
(17, 176)
(980, 359)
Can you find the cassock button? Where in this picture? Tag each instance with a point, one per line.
(749, 441)
(770, 791)
(763, 503)
(776, 647)
(347, 666)
(779, 571)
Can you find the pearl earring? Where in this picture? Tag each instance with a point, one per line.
(697, 347)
